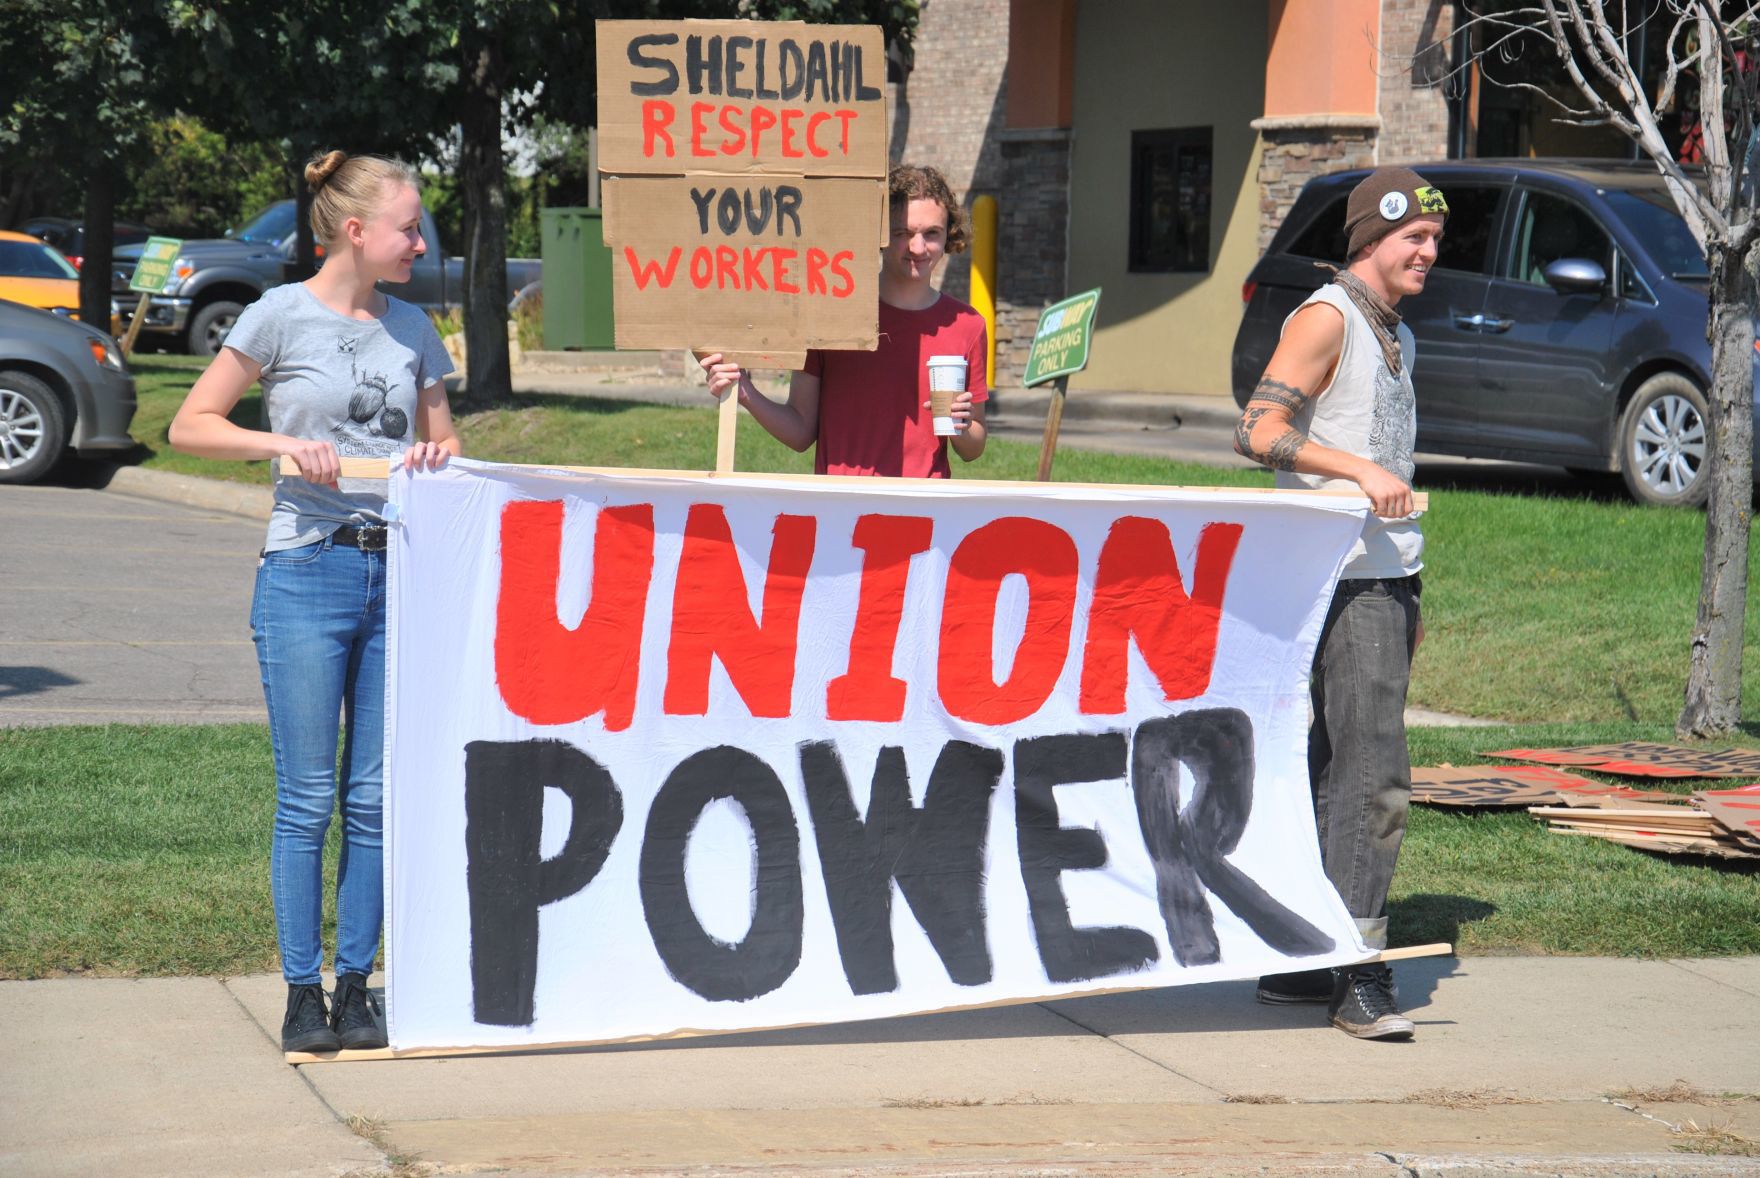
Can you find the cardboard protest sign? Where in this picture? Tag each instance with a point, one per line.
(744, 189)
(741, 97)
(1736, 810)
(668, 752)
(1638, 758)
(756, 267)
(1510, 785)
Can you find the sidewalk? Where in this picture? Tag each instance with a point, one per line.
(1511, 1072)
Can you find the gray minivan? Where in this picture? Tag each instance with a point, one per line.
(1563, 322)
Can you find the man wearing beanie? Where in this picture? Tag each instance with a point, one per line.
(1335, 409)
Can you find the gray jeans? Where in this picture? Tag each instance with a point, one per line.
(1358, 766)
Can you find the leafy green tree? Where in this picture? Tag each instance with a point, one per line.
(77, 95)
(195, 182)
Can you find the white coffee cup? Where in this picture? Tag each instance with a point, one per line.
(947, 377)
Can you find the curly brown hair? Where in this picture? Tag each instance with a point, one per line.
(907, 182)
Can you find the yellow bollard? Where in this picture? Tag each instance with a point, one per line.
(984, 274)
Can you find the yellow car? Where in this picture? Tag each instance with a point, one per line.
(34, 273)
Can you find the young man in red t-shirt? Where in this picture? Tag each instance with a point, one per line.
(868, 412)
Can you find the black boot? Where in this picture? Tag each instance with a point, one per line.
(1306, 985)
(307, 1025)
(1364, 1003)
(354, 1014)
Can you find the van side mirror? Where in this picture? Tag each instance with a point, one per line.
(1570, 276)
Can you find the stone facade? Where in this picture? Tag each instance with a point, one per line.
(1033, 227)
(1415, 64)
(949, 111)
(1296, 149)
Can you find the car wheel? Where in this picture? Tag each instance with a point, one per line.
(1665, 442)
(33, 432)
(210, 327)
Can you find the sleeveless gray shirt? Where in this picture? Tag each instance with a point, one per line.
(1368, 411)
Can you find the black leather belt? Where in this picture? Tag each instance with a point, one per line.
(371, 538)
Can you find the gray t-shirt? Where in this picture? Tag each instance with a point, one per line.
(353, 382)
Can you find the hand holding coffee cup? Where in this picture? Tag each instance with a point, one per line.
(947, 380)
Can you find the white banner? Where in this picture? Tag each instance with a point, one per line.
(672, 753)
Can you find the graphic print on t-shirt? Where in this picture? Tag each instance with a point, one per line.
(373, 430)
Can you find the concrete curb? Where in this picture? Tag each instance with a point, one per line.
(252, 502)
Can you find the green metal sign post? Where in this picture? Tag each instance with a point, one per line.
(1060, 347)
(152, 274)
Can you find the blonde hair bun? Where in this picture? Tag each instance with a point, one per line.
(345, 186)
(321, 167)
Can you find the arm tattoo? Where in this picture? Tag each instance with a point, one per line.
(1243, 431)
(1275, 392)
(1281, 455)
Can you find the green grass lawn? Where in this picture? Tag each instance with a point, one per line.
(1537, 608)
(142, 851)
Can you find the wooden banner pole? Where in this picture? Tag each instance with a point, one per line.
(1053, 423)
(1441, 949)
(134, 324)
(379, 468)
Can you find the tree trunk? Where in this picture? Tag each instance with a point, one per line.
(305, 254)
(1714, 679)
(99, 217)
(484, 181)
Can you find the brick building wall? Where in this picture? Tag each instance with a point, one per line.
(1298, 148)
(1414, 61)
(949, 110)
(1033, 235)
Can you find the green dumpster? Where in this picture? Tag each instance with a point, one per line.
(577, 281)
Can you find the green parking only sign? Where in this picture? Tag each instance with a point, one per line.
(1060, 344)
(153, 272)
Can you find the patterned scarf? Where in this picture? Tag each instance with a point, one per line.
(1383, 319)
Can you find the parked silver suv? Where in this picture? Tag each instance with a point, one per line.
(1563, 322)
(63, 386)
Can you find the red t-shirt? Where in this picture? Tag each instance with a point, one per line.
(872, 419)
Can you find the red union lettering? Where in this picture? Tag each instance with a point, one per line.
(549, 672)
(1138, 594)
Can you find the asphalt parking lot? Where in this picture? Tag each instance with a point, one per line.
(124, 610)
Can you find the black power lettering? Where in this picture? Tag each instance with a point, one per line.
(505, 878)
(771, 949)
(666, 85)
(699, 66)
(1069, 954)
(1190, 846)
(936, 854)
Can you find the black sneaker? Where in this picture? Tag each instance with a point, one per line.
(307, 1025)
(354, 1014)
(1363, 1004)
(1304, 985)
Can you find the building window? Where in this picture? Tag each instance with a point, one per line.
(1170, 200)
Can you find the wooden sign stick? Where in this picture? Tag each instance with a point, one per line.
(1053, 423)
(134, 325)
(726, 422)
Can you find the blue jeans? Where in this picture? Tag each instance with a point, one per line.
(1358, 765)
(318, 619)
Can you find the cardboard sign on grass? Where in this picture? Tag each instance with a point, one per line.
(745, 166)
(1736, 810)
(1638, 758)
(1513, 785)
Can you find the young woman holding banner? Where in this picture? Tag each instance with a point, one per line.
(345, 370)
